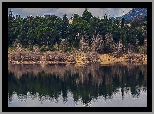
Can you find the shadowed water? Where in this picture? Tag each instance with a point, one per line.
(64, 86)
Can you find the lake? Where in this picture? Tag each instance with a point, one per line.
(77, 86)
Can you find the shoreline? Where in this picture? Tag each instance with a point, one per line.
(78, 59)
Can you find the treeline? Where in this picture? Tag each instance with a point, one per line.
(56, 33)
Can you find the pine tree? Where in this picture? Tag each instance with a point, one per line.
(122, 22)
(65, 26)
(86, 15)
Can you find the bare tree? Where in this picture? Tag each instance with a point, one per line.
(97, 43)
(64, 44)
(84, 46)
(36, 49)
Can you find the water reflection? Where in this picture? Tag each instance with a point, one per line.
(92, 85)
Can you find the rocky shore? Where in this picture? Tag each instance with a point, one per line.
(76, 57)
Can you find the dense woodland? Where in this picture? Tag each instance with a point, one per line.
(85, 32)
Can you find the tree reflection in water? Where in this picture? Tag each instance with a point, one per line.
(85, 83)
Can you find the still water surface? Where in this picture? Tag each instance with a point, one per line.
(74, 86)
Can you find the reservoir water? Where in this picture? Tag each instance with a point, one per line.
(77, 86)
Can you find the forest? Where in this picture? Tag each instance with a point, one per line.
(85, 32)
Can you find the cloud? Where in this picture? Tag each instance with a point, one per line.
(112, 12)
(70, 11)
(126, 10)
(34, 10)
(98, 12)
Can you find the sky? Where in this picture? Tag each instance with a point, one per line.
(98, 12)
(47, 101)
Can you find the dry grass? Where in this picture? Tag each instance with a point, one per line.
(108, 59)
(81, 58)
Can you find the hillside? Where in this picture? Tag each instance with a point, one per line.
(134, 13)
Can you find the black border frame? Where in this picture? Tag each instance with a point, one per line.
(6, 5)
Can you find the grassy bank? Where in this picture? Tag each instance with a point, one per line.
(75, 57)
(124, 59)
